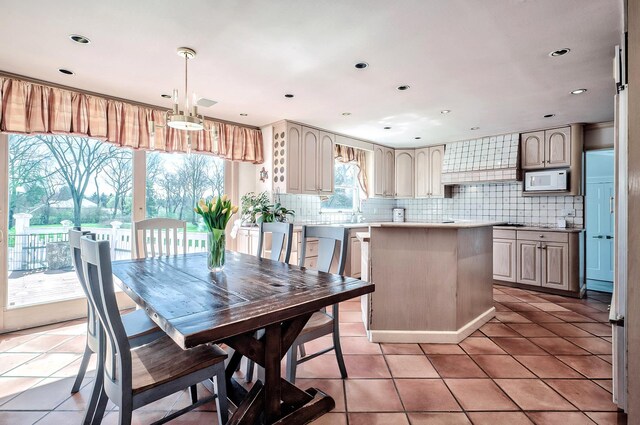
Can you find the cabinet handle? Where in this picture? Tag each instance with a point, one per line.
(597, 237)
(611, 204)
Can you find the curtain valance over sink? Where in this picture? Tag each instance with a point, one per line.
(32, 108)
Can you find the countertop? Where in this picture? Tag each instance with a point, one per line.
(541, 229)
(440, 225)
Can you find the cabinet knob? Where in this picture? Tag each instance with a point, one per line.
(542, 236)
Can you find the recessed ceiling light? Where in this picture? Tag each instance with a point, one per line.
(417, 138)
(387, 128)
(361, 65)
(166, 96)
(80, 39)
(346, 113)
(244, 115)
(65, 71)
(579, 91)
(475, 128)
(549, 115)
(559, 52)
(288, 95)
(403, 88)
(445, 111)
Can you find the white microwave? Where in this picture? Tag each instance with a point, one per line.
(546, 181)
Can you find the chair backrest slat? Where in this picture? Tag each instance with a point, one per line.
(327, 238)
(74, 242)
(96, 264)
(158, 235)
(280, 233)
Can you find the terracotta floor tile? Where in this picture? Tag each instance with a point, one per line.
(600, 316)
(499, 418)
(580, 308)
(506, 299)
(75, 344)
(441, 349)
(350, 306)
(72, 369)
(498, 329)
(592, 367)
(606, 357)
(14, 418)
(352, 329)
(511, 317)
(558, 346)
(351, 317)
(480, 346)
(324, 366)
(515, 346)
(430, 395)
(9, 361)
(597, 329)
(358, 345)
(366, 366)
(40, 344)
(608, 418)
(321, 343)
(8, 341)
(533, 394)
(43, 365)
(378, 419)
(456, 366)
(479, 394)
(438, 419)
(570, 316)
(521, 306)
(57, 418)
(79, 328)
(333, 387)
(11, 387)
(565, 329)
(331, 419)
(547, 367)
(584, 394)
(410, 366)
(530, 298)
(593, 345)
(47, 394)
(497, 366)
(401, 349)
(372, 395)
(607, 384)
(531, 330)
(143, 417)
(560, 418)
(540, 317)
(546, 306)
(501, 307)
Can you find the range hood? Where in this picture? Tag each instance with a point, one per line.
(489, 159)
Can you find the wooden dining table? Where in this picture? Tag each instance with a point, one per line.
(195, 306)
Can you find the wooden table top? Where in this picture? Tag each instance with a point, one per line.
(194, 306)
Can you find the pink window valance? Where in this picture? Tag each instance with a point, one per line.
(31, 108)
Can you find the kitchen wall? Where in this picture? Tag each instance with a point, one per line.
(489, 202)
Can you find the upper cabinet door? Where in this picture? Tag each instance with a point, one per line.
(404, 173)
(533, 150)
(389, 172)
(422, 184)
(558, 147)
(310, 160)
(436, 156)
(326, 162)
(292, 145)
(378, 171)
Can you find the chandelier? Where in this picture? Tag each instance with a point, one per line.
(186, 119)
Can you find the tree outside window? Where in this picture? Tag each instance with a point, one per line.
(346, 195)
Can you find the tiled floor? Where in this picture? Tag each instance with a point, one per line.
(545, 359)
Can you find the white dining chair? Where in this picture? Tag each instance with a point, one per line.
(157, 237)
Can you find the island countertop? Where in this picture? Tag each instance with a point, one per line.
(439, 225)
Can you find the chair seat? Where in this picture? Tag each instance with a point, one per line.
(318, 320)
(137, 323)
(162, 361)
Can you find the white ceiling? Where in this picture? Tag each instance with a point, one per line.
(487, 61)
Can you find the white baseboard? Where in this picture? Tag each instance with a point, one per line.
(433, 337)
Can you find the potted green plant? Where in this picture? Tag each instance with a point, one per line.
(273, 213)
(252, 204)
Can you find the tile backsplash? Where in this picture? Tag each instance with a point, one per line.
(487, 202)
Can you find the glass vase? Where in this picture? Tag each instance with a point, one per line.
(216, 241)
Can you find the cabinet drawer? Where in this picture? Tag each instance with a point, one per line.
(312, 248)
(528, 235)
(504, 234)
(311, 263)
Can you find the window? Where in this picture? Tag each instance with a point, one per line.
(176, 181)
(346, 195)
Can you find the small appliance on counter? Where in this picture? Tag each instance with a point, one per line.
(398, 215)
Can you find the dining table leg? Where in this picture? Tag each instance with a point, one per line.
(278, 401)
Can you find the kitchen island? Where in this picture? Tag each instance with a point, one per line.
(433, 280)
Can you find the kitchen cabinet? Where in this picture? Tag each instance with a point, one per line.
(428, 172)
(247, 241)
(404, 173)
(545, 259)
(355, 248)
(546, 149)
(383, 172)
(303, 159)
